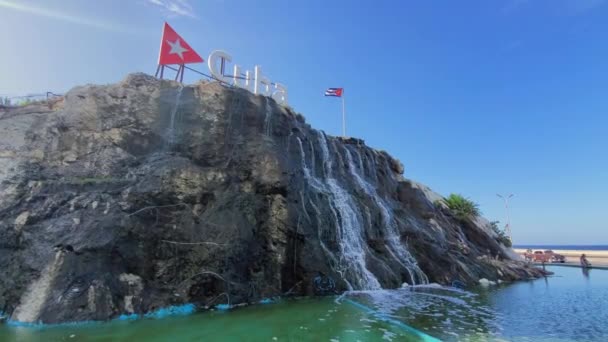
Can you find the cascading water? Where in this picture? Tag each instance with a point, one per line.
(350, 238)
(289, 141)
(267, 117)
(171, 130)
(350, 220)
(310, 178)
(394, 244)
(318, 186)
(351, 262)
(32, 301)
(371, 165)
(349, 228)
(312, 159)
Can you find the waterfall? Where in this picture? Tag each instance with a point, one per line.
(303, 159)
(349, 228)
(171, 131)
(303, 201)
(331, 257)
(319, 187)
(312, 157)
(360, 164)
(351, 263)
(38, 292)
(350, 238)
(268, 117)
(326, 161)
(393, 240)
(289, 142)
(371, 165)
(350, 260)
(310, 178)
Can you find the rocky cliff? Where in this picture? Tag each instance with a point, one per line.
(135, 196)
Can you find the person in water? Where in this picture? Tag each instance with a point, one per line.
(584, 262)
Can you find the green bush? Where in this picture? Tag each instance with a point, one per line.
(502, 236)
(26, 102)
(462, 207)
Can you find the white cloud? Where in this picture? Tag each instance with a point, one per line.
(62, 15)
(175, 7)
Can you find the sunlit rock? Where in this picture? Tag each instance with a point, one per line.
(128, 198)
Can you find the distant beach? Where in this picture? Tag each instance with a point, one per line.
(596, 254)
(565, 247)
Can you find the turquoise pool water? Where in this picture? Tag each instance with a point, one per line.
(569, 306)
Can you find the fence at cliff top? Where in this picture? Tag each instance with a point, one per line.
(244, 77)
(9, 102)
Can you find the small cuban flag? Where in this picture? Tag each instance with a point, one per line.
(337, 92)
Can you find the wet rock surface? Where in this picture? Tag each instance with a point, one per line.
(144, 194)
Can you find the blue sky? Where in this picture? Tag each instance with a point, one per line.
(474, 97)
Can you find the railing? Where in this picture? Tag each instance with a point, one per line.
(10, 102)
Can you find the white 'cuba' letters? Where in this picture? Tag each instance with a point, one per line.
(222, 57)
(261, 84)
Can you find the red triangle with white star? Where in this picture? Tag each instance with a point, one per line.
(175, 50)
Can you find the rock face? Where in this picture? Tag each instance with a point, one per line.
(144, 194)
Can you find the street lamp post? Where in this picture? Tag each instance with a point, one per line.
(508, 225)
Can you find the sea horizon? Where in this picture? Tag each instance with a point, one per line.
(595, 247)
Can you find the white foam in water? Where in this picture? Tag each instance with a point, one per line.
(388, 335)
(453, 300)
(448, 312)
(434, 286)
(367, 320)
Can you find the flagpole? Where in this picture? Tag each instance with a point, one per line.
(343, 118)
